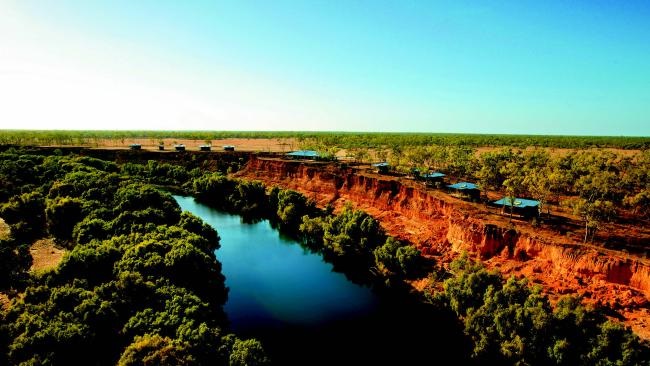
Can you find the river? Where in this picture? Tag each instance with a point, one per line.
(305, 313)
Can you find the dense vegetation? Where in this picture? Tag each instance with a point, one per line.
(126, 292)
(345, 140)
(513, 323)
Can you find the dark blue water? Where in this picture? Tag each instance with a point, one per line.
(273, 281)
(306, 314)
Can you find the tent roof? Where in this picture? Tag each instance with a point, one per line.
(382, 164)
(433, 175)
(518, 202)
(463, 185)
(304, 153)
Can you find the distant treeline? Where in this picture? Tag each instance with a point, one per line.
(344, 140)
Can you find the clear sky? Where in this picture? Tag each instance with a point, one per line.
(530, 67)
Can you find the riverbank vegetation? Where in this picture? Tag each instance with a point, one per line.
(510, 322)
(126, 292)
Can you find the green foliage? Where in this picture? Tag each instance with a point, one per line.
(25, 215)
(248, 353)
(93, 262)
(352, 234)
(470, 281)
(290, 207)
(616, 345)
(512, 323)
(126, 292)
(62, 214)
(154, 350)
(157, 173)
(15, 261)
(135, 197)
(177, 255)
(195, 225)
(90, 228)
(233, 195)
(492, 165)
(399, 259)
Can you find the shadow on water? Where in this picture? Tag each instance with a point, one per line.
(305, 313)
(398, 332)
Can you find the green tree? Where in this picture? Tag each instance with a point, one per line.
(352, 235)
(399, 259)
(594, 204)
(469, 282)
(248, 353)
(62, 214)
(290, 206)
(154, 350)
(25, 215)
(490, 174)
(15, 260)
(616, 345)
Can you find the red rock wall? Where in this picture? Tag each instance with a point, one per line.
(440, 225)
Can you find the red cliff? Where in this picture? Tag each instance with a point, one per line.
(443, 226)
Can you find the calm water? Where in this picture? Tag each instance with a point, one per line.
(275, 282)
(302, 311)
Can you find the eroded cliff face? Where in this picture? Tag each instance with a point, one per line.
(443, 226)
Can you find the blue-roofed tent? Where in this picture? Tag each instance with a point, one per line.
(433, 175)
(463, 186)
(304, 154)
(382, 168)
(434, 178)
(520, 206)
(517, 202)
(465, 190)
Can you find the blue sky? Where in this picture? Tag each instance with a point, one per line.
(531, 67)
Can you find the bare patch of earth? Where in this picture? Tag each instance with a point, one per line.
(45, 254)
(4, 229)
